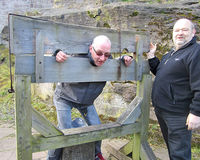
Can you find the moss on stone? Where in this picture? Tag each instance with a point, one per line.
(107, 96)
(90, 14)
(106, 25)
(135, 13)
(33, 13)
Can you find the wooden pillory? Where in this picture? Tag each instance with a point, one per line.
(31, 39)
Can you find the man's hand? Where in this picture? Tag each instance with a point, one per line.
(193, 121)
(61, 57)
(127, 60)
(152, 50)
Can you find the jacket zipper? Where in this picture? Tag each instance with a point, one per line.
(169, 57)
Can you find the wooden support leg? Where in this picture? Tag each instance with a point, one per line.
(23, 117)
(143, 90)
(136, 146)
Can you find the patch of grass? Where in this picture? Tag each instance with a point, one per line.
(196, 146)
(154, 135)
(48, 111)
(6, 99)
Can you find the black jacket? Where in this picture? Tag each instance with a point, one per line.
(177, 83)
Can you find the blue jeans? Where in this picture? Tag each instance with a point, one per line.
(63, 108)
(176, 134)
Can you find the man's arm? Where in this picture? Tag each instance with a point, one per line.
(153, 60)
(193, 120)
(152, 51)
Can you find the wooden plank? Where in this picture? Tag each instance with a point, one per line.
(70, 38)
(146, 152)
(136, 146)
(139, 52)
(127, 149)
(43, 126)
(11, 36)
(82, 135)
(117, 154)
(79, 152)
(145, 67)
(132, 112)
(23, 117)
(39, 57)
(145, 92)
(117, 143)
(80, 70)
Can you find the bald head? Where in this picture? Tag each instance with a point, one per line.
(184, 20)
(100, 49)
(183, 32)
(101, 40)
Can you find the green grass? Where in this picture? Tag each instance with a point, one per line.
(195, 146)
(49, 111)
(6, 99)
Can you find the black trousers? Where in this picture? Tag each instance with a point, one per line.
(175, 133)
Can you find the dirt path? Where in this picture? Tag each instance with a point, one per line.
(8, 144)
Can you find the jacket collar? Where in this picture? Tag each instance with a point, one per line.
(91, 59)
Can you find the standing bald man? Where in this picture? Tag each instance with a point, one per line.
(82, 95)
(176, 90)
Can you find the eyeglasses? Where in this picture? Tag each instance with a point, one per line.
(101, 54)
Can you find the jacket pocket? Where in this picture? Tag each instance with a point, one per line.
(172, 93)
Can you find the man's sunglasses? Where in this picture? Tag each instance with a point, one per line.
(101, 54)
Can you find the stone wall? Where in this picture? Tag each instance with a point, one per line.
(146, 15)
(156, 19)
(35, 8)
(19, 7)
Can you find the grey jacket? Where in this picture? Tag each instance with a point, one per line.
(82, 93)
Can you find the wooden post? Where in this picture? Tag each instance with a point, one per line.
(137, 139)
(23, 117)
(143, 90)
(136, 146)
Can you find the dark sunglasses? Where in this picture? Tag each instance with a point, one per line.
(101, 54)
